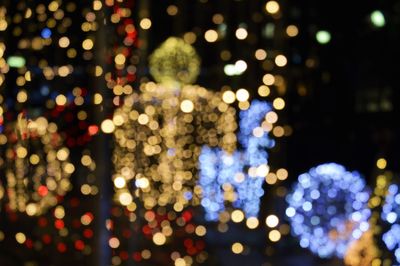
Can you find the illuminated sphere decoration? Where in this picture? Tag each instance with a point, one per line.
(328, 209)
(37, 167)
(175, 61)
(391, 214)
(160, 131)
(237, 178)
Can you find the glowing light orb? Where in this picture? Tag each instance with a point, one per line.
(391, 214)
(238, 177)
(175, 61)
(328, 209)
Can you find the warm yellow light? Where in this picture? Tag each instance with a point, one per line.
(268, 79)
(114, 242)
(125, 198)
(120, 59)
(228, 97)
(63, 42)
(237, 248)
(280, 60)
(180, 262)
(211, 36)
(87, 44)
(278, 103)
(159, 239)
(272, 7)
(119, 182)
(200, 230)
(145, 23)
(252, 222)
(237, 216)
(20, 237)
(282, 174)
(274, 235)
(260, 54)
(271, 117)
(241, 33)
(107, 126)
(381, 163)
(264, 90)
(242, 95)
(187, 106)
(61, 100)
(292, 31)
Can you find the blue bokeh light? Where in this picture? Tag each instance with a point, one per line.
(328, 209)
(218, 168)
(391, 214)
(46, 33)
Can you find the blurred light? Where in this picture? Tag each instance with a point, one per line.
(381, 163)
(242, 95)
(107, 126)
(272, 221)
(274, 235)
(292, 31)
(328, 209)
(272, 7)
(16, 61)
(237, 248)
(241, 33)
(378, 19)
(323, 37)
(211, 36)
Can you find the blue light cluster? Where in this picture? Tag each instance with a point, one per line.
(328, 209)
(391, 214)
(221, 171)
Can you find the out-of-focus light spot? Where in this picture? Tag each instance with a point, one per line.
(107, 126)
(263, 91)
(172, 10)
(159, 239)
(274, 235)
(228, 97)
(279, 103)
(145, 23)
(252, 222)
(187, 106)
(46, 33)
(242, 95)
(16, 61)
(180, 262)
(280, 60)
(272, 7)
(268, 79)
(381, 163)
(237, 216)
(211, 35)
(87, 44)
(272, 221)
(240, 66)
(125, 198)
(20, 237)
(241, 33)
(260, 54)
(237, 248)
(292, 31)
(113, 242)
(323, 37)
(119, 182)
(378, 19)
